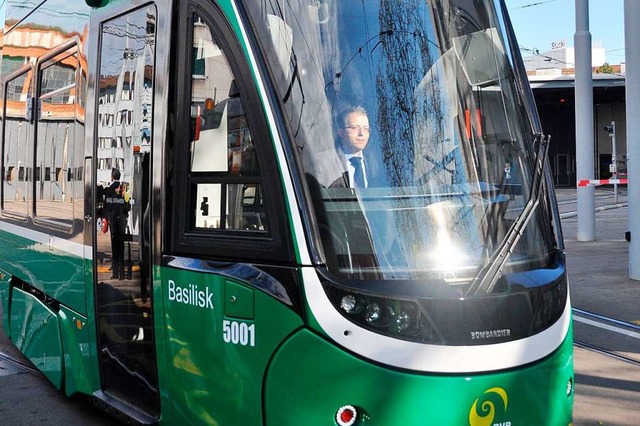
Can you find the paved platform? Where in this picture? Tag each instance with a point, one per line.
(599, 270)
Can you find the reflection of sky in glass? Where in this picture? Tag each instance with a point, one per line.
(3, 11)
(61, 15)
(122, 37)
(69, 16)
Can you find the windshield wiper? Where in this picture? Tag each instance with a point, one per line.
(487, 278)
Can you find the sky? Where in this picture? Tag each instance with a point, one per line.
(538, 23)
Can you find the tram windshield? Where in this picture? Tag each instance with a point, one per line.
(412, 130)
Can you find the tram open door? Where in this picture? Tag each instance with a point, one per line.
(126, 348)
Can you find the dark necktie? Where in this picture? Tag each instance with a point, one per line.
(358, 175)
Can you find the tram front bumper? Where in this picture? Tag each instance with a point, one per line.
(310, 380)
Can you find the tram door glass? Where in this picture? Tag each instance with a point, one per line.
(16, 153)
(57, 142)
(123, 151)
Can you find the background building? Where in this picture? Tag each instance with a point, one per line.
(561, 57)
(552, 78)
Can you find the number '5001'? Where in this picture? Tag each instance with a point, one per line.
(238, 333)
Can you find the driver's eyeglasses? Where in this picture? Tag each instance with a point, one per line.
(358, 129)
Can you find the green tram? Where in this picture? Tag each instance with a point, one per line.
(282, 212)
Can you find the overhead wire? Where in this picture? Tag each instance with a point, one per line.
(532, 4)
(535, 52)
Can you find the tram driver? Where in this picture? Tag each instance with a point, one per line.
(353, 136)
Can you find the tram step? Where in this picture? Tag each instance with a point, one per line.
(122, 411)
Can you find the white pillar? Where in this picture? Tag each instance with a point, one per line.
(584, 124)
(632, 60)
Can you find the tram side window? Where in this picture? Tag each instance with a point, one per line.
(224, 176)
(16, 152)
(58, 139)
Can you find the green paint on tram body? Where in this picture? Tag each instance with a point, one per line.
(304, 376)
(310, 379)
(217, 358)
(57, 273)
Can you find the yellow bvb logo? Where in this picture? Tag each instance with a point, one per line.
(487, 408)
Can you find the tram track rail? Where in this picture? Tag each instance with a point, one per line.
(607, 352)
(568, 207)
(609, 324)
(606, 196)
(18, 363)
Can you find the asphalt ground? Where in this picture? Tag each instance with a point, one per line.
(28, 397)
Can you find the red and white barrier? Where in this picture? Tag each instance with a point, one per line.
(595, 182)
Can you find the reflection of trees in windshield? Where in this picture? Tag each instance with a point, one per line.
(406, 58)
(404, 104)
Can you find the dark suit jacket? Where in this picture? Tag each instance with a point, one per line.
(341, 182)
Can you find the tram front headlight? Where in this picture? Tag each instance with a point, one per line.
(349, 303)
(382, 314)
(403, 321)
(373, 312)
